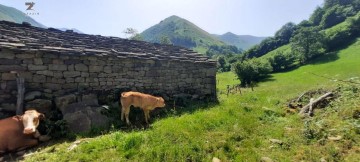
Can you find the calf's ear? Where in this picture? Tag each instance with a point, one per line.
(41, 116)
(17, 117)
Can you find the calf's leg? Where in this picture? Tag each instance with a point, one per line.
(126, 111)
(28, 143)
(44, 138)
(147, 116)
(122, 110)
(37, 134)
(122, 113)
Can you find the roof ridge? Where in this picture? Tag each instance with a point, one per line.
(25, 37)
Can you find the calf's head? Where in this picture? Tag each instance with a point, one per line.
(31, 120)
(160, 102)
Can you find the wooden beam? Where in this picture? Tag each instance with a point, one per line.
(307, 107)
(20, 96)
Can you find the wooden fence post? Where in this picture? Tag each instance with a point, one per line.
(20, 95)
(239, 88)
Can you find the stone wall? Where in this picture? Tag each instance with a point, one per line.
(56, 74)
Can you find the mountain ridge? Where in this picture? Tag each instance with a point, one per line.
(240, 41)
(184, 33)
(15, 15)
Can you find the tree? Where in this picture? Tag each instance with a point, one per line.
(331, 3)
(344, 35)
(221, 61)
(355, 25)
(282, 60)
(356, 4)
(165, 40)
(285, 33)
(223, 66)
(264, 47)
(132, 34)
(251, 71)
(317, 15)
(336, 14)
(130, 31)
(227, 50)
(304, 23)
(307, 43)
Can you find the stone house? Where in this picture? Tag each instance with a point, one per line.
(56, 63)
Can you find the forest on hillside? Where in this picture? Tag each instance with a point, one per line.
(330, 27)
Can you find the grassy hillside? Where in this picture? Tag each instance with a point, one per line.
(241, 41)
(181, 32)
(240, 127)
(14, 15)
(325, 16)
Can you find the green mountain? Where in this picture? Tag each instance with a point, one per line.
(181, 32)
(14, 15)
(240, 41)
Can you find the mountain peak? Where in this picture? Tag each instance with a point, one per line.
(174, 17)
(181, 32)
(229, 33)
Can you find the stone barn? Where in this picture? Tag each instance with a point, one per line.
(57, 65)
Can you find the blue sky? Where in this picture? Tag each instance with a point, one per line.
(112, 17)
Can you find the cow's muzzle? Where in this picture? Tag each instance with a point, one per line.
(29, 130)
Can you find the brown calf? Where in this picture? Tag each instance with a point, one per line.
(144, 101)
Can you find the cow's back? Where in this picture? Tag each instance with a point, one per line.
(10, 134)
(137, 99)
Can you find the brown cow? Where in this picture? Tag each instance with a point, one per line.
(19, 132)
(144, 101)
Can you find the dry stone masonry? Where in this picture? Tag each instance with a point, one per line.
(56, 63)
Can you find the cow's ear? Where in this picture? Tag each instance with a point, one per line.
(158, 98)
(41, 116)
(17, 117)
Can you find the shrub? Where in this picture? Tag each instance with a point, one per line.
(282, 60)
(250, 71)
(222, 65)
(336, 14)
(344, 33)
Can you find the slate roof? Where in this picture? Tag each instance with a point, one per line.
(28, 38)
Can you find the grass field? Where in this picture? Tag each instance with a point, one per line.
(240, 127)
